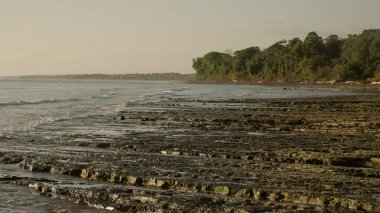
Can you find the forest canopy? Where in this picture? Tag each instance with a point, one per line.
(356, 57)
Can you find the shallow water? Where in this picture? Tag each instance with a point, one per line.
(27, 104)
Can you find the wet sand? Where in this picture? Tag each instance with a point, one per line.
(283, 155)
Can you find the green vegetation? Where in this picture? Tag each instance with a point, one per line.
(356, 57)
(133, 77)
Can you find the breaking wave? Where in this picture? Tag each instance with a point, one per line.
(47, 101)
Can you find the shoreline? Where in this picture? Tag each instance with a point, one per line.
(352, 86)
(294, 154)
(355, 86)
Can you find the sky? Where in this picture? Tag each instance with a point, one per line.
(50, 37)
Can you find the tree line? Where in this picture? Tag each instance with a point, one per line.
(356, 57)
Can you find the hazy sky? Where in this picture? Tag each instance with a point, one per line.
(129, 36)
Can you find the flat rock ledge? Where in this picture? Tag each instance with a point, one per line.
(296, 155)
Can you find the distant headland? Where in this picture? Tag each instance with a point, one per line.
(132, 77)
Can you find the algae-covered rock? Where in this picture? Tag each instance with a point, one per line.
(115, 177)
(243, 193)
(85, 173)
(223, 190)
(375, 160)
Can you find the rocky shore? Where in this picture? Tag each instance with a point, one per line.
(182, 155)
